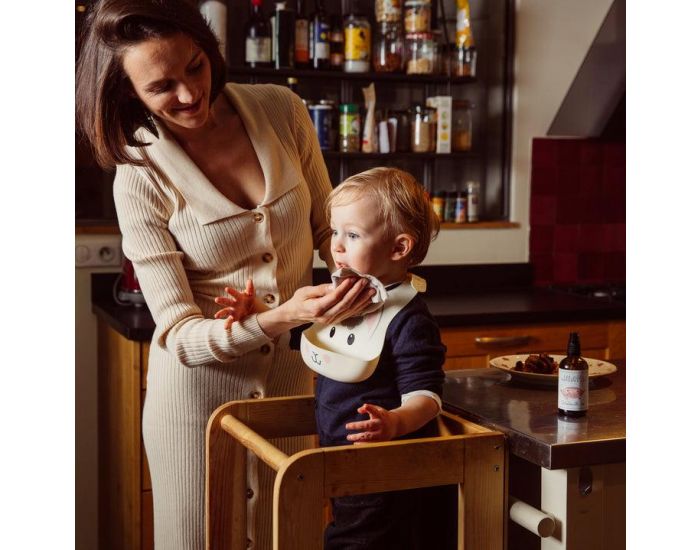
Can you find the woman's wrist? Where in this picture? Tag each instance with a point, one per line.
(276, 321)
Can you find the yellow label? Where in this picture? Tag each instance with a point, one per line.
(357, 44)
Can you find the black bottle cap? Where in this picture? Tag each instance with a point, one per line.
(574, 346)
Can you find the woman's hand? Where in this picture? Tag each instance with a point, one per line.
(382, 425)
(239, 305)
(318, 304)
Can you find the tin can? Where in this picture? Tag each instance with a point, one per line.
(322, 117)
(461, 208)
(473, 199)
(438, 202)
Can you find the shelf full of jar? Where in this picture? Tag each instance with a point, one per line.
(267, 72)
(330, 154)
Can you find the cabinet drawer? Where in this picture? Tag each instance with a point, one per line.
(492, 340)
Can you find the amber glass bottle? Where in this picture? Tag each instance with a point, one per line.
(573, 380)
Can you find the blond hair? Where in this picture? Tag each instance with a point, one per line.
(404, 205)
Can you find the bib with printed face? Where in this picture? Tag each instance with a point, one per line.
(349, 351)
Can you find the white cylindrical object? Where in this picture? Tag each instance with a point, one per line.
(531, 518)
(215, 12)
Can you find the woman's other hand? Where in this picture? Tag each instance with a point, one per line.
(382, 425)
(239, 305)
(327, 305)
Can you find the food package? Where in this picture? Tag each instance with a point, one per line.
(464, 36)
(443, 105)
(369, 132)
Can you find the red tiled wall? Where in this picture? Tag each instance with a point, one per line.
(577, 211)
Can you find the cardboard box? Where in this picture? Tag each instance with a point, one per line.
(443, 104)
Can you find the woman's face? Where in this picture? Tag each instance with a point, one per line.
(172, 77)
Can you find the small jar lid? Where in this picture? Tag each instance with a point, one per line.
(320, 106)
(349, 108)
(327, 102)
(416, 3)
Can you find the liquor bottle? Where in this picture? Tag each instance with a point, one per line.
(283, 36)
(301, 37)
(319, 38)
(573, 380)
(337, 44)
(258, 47)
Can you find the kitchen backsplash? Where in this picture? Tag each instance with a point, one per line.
(577, 211)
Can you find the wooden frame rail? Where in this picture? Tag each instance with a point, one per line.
(466, 454)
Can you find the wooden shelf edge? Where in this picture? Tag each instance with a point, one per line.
(97, 229)
(481, 225)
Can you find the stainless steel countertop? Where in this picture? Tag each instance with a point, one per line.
(528, 416)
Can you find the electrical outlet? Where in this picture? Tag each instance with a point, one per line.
(98, 251)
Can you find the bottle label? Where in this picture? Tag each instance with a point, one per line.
(357, 41)
(301, 41)
(320, 40)
(349, 124)
(258, 50)
(573, 390)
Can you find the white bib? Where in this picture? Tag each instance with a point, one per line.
(349, 352)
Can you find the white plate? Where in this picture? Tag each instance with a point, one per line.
(506, 363)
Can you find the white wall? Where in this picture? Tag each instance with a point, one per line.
(552, 38)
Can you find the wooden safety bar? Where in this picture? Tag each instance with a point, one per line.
(466, 454)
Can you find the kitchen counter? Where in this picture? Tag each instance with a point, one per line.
(528, 416)
(478, 307)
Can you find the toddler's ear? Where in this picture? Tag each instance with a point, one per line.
(403, 244)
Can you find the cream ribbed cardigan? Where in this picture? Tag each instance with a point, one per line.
(187, 242)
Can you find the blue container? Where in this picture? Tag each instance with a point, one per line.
(322, 117)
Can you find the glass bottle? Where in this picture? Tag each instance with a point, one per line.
(464, 54)
(319, 38)
(420, 53)
(337, 44)
(258, 38)
(388, 48)
(573, 380)
(473, 200)
(283, 36)
(301, 37)
(358, 43)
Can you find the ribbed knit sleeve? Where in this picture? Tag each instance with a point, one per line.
(181, 327)
(316, 174)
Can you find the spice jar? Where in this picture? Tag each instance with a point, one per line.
(388, 48)
(357, 44)
(416, 16)
(473, 199)
(461, 125)
(423, 129)
(421, 53)
(463, 60)
(349, 128)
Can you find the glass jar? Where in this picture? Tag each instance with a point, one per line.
(420, 53)
(423, 129)
(349, 128)
(463, 60)
(387, 10)
(416, 16)
(388, 48)
(461, 125)
(358, 44)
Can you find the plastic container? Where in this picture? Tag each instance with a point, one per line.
(350, 128)
(416, 16)
(358, 44)
(423, 129)
(421, 53)
(388, 48)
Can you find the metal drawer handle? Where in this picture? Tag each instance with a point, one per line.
(502, 340)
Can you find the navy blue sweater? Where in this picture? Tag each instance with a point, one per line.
(411, 359)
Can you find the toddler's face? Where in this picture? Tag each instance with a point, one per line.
(359, 239)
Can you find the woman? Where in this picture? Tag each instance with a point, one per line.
(215, 184)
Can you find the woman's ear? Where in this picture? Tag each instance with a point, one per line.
(403, 244)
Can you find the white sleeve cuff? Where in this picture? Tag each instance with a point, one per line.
(435, 397)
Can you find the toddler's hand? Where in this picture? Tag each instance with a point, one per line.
(238, 306)
(382, 425)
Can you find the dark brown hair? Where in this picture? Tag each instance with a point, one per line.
(404, 205)
(107, 113)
